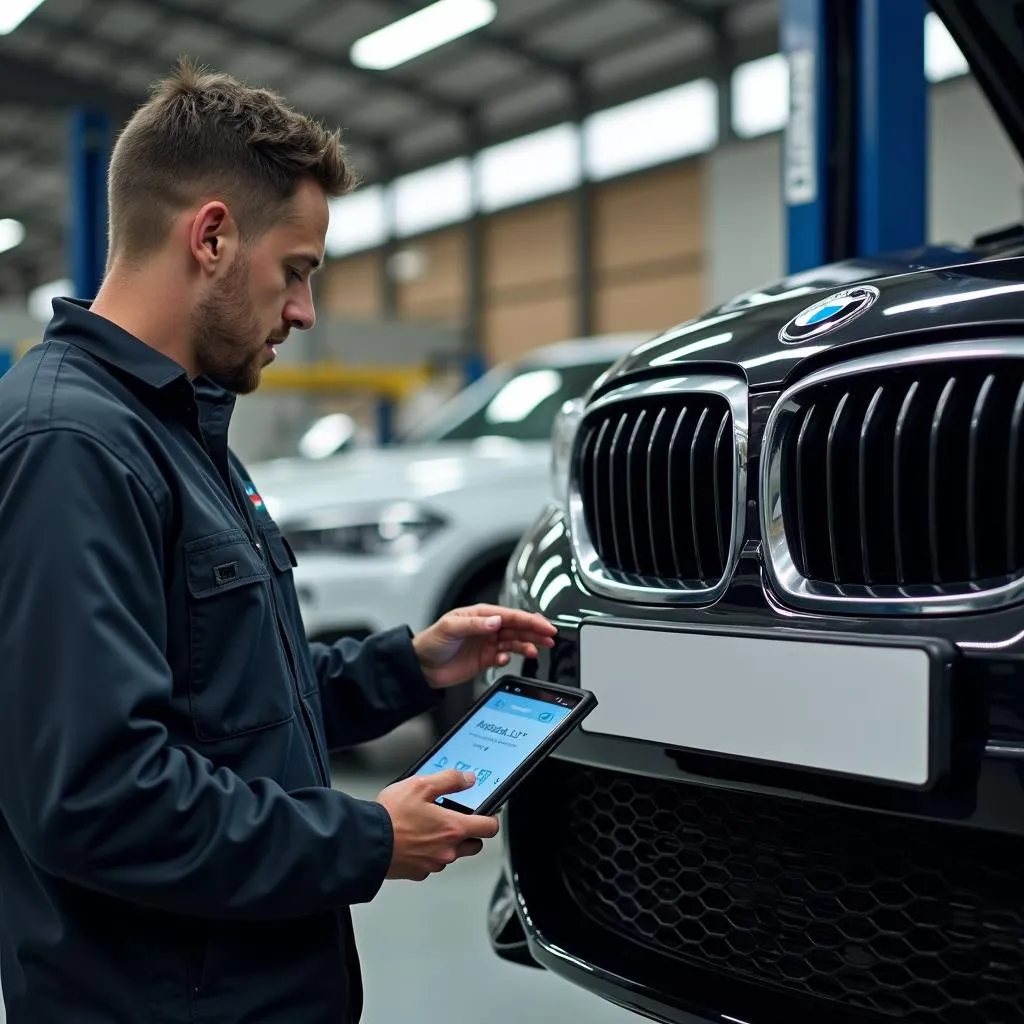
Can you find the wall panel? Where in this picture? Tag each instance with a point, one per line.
(649, 304)
(514, 328)
(439, 294)
(352, 287)
(527, 247)
(648, 249)
(529, 278)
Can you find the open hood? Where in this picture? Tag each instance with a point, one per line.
(991, 35)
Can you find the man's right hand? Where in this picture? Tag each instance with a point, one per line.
(429, 837)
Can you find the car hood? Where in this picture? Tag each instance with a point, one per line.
(990, 33)
(296, 486)
(921, 303)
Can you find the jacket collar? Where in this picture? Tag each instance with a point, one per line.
(74, 322)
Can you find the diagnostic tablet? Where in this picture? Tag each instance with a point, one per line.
(504, 736)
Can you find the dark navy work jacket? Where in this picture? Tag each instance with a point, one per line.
(170, 847)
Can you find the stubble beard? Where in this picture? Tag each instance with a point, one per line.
(226, 334)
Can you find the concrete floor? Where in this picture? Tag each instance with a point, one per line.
(424, 946)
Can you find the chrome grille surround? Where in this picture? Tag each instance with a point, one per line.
(780, 560)
(648, 589)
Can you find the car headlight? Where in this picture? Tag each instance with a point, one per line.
(398, 528)
(563, 436)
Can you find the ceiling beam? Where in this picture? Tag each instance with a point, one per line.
(206, 15)
(124, 53)
(27, 82)
(695, 12)
(550, 16)
(640, 38)
(516, 46)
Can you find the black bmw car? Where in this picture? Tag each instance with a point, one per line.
(786, 551)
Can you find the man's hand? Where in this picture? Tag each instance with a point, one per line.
(468, 641)
(429, 837)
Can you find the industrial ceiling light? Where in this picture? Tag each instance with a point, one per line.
(14, 12)
(12, 234)
(420, 32)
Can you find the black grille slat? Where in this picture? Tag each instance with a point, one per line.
(899, 488)
(694, 525)
(907, 477)
(862, 482)
(636, 536)
(934, 475)
(595, 489)
(721, 515)
(672, 472)
(991, 483)
(901, 919)
(655, 477)
(656, 565)
(617, 497)
(831, 482)
(1013, 476)
(974, 469)
(802, 516)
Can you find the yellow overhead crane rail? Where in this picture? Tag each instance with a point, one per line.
(395, 382)
(392, 382)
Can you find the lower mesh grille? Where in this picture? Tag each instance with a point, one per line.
(894, 917)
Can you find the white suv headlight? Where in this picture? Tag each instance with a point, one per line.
(563, 436)
(397, 528)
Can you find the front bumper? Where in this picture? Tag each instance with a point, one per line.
(692, 888)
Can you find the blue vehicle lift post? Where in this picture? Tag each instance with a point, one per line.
(89, 151)
(855, 151)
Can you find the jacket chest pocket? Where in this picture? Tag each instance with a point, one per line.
(239, 680)
(283, 560)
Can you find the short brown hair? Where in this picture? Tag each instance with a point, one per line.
(207, 134)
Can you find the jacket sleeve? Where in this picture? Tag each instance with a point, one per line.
(91, 786)
(368, 687)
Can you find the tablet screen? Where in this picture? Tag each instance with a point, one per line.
(496, 740)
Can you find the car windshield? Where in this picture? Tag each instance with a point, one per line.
(518, 403)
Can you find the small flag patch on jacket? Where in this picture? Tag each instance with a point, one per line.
(254, 496)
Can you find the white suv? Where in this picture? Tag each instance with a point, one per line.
(401, 534)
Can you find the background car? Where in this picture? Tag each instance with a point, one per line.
(401, 534)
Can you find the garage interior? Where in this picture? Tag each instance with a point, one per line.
(423, 281)
(566, 170)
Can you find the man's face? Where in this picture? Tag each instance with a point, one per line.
(263, 294)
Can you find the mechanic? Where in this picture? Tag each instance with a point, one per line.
(171, 848)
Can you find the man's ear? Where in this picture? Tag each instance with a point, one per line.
(213, 237)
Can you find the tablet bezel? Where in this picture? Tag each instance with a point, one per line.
(537, 689)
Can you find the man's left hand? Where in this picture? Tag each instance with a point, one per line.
(467, 641)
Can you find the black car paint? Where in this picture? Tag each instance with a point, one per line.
(947, 302)
(983, 791)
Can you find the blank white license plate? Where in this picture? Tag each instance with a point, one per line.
(827, 706)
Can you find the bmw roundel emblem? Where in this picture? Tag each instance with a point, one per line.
(828, 314)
